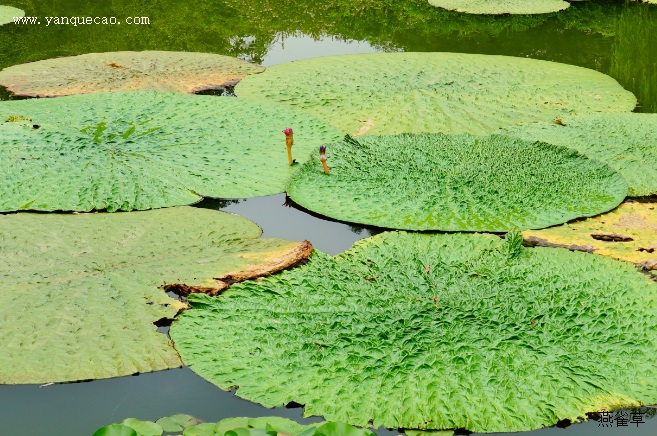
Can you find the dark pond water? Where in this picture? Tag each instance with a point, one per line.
(613, 37)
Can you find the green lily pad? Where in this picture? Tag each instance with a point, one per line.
(142, 150)
(163, 71)
(262, 426)
(249, 427)
(281, 425)
(116, 430)
(143, 428)
(498, 7)
(417, 331)
(203, 429)
(626, 142)
(79, 293)
(341, 429)
(230, 423)
(455, 182)
(391, 93)
(7, 14)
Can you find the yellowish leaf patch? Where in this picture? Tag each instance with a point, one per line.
(627, 233)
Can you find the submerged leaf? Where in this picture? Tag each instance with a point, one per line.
(8, 13)
(464, 346)
(625, 142)
(391, 93)
(627, 233)
(163, 71)
(455, 182)
(142, 150)
(177, 422)
(79, 296)
(499, 7)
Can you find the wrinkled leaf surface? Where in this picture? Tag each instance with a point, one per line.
(626, 142)
(455, 182)
(434, 332)
(142, 150)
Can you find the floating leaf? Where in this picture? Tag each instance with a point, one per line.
(141, 150)
(467, 345)
(429, 433)
(499, 7)
(341, 429)
(455, 182)
(281, 425)
(262, 426)
(203, 429)
(116, 430)
(143, 428)
(626, 142)
(163, 71)
(231, 423)
(627, 233)
(78, 293)
(8, 13)
(390, 93)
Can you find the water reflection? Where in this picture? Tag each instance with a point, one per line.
(288, 48)
(589, 34)
(280, 218)
(634, 57)
(81, 408)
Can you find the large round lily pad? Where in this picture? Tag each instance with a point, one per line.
(434, 332)
(498, 7)
(390, 93)
(79, 293)
(141, 150)
(455, 182)
(7, 14)
(163, 71)
(626, 142)
(628, 233)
